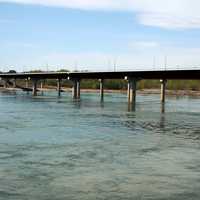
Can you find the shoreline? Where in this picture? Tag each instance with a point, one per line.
(143, 91)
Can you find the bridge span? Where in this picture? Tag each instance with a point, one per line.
(132, 78)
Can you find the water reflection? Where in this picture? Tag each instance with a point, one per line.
(8, 92)
(162, 121)
(130, 121)
(162, 108)
(131, 107)
(77, 103)
(102, 105)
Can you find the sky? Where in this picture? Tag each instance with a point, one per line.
(99, 35)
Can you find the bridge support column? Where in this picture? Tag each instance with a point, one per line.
(34, 87)
(74, 89)
(163, 87)
(78, 89)
(15, 83)
(59, 87)
(26, 83)
(5, 82)
(131, 93)
(101, 87)
(41, 84)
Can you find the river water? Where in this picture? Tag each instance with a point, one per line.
(54, 148)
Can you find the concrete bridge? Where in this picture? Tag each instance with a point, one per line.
(132, 78)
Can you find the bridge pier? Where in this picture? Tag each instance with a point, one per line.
(34, 87)
(59, 86)
(5, 83)
(163, 88)
(27, 84)
(101, 87)
(41, 84)
(131, 91)
(26, 80)
(15, 83)
(76, 89)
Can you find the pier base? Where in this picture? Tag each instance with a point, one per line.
(163, 88)
(34, 87)
(59, 87)
(131, 93)
(76, 89)
(101, 88)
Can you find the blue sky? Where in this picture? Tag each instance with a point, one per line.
(96, 36)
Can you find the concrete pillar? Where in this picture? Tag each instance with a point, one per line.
(131, 107)
(78, 89)
(34, 87)
(163, 87)
(128, 91)
(74, 89)
(41, 85)
(5, 83)
(162, 108)
(59, 87)
(131, 93)
(101, 83)
(26, 83)
(15, 83)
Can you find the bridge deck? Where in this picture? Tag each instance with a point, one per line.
(169, 74)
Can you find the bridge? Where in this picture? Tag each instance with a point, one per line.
(132, 78)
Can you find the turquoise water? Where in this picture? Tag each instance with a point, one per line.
(54, 149)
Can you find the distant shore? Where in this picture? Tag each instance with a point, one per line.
(143, 91)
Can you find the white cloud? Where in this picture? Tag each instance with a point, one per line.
(169, 21)
(165, 14)
(79, 4)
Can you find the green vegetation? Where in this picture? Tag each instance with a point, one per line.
(122, 84)
(171, 84)
(144, 84)
(184, 85)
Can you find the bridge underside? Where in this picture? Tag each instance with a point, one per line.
(132, 78)
(169, 74)
(173, 75)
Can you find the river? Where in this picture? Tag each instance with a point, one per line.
(55, 148)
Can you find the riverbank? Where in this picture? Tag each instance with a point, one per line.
(143, 91)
